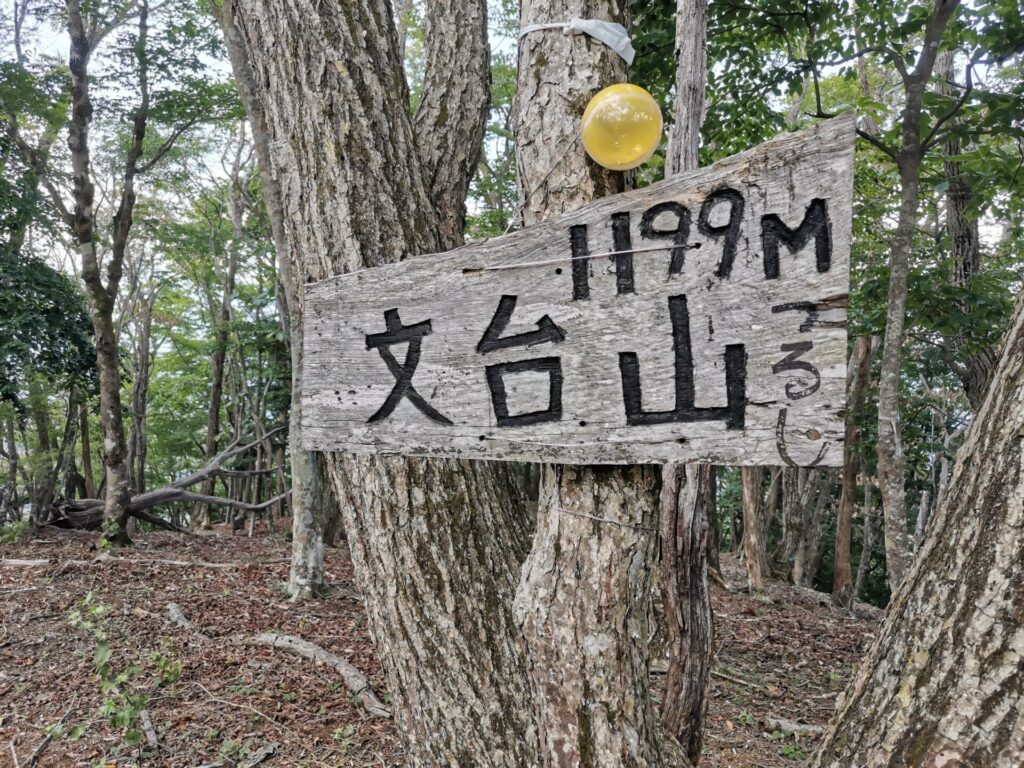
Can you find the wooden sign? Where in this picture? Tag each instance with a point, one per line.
(699, 319)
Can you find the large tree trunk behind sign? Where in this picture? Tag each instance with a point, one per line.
(582, 601)
(437, 545)
(688, 493)
(926, 694)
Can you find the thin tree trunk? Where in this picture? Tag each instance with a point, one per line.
(437, 546)
(817, 492)
(892, 461)
(975, 367)
(755, 554)
(306, 577)
(138, 439)
(101, 298)
(688, 491)
(596, 526)
(925, 695)
(87, 473)
(859, 371)
(9, 509)
(714, 524)
(869, 532)
(690, 630)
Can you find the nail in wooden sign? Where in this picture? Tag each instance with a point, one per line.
(702, 318)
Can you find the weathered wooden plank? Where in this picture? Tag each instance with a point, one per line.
(716, 330)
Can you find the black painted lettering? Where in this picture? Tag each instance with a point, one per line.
(623, 258)
(728, 232)
(798, 387)
(580, 262)
(397, 334)
(733, 413)
(815, 225)
(680, 233)
(492, 340)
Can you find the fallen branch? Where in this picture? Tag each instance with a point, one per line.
(88, 513)
(177, 616)
(790, 727)
(737, 680)
(34, 757)
(148, 729)
(106, 558)
(260, 755)
(354, 679)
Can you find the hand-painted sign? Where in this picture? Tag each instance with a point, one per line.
(700, 318)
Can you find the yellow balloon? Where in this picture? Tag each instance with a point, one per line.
(621, 127)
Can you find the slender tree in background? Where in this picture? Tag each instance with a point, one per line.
(85, 32)
(943, 681)
(892, 459)
(688, 491)
(857, 387)
(437, 545)
(755, 547)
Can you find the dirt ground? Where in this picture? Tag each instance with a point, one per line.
(210, 701)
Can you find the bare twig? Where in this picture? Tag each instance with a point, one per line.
(34, 757)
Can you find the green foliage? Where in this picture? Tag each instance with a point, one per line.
(12, 533)
(44, 327)
(121, 706)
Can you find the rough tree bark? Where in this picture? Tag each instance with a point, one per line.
(927, 695)
(817, 492)
(755, 546)
(9, 510)
(690, 644)
(857, 387)
(437, 545)
(688, 491)
(582, 601)
(892, 462)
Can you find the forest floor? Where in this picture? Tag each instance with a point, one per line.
(193, 699)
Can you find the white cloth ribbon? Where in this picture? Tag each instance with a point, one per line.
(611, 34)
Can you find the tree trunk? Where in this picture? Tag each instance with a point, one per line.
(860, 368)
(690, 629)
(714, 523)
(9, 509)
(138, 440)
(101, 298)
(437, 545)
(892, 461)
(688, 492)
(817, 492)
(926, 695)
(582, 601)
(87, 473)
(306, 577)
(217, 367)
(975, 367)
(867, 546)
(755, 548)
(42, 494)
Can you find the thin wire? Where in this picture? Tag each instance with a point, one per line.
(583, 257)
(532, 192)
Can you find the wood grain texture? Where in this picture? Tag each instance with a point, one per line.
(792, 415)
